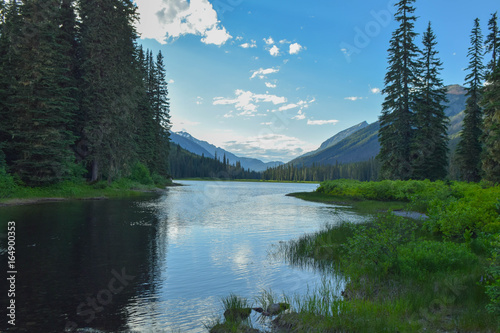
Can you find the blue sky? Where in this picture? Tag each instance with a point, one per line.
(272, 79)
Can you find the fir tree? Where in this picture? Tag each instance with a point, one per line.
(39, 102)
(469, 148)
(491, 135)
(109, 86)
(430, 146)
(492, 42)
(161, 116)
(396, 121)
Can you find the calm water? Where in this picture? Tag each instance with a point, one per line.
(158, 263)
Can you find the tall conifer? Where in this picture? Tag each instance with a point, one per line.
(469, 148)
(397, 119)
(430, 146)
(109, 85)
(491, 105)
(40, 101)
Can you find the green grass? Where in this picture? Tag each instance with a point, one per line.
(362, 206)
(76, 190)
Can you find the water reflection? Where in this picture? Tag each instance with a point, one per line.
(185, 250)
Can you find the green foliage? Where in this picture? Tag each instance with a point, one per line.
(419, 258)
(7, 184)
(470, 212)
(140, 173)
(493, 286)
(374, 247)
(364, 171)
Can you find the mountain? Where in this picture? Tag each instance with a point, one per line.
(188, 144)
(361, 145)
(199, 147)
(360, 142)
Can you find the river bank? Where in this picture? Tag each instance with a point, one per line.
(80, 191)
(403, 274)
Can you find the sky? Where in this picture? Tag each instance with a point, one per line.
(273, 79)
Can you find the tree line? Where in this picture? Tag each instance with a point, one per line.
(78, 96)
(413, 123)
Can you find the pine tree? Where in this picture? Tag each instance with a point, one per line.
(161, 116)
(430, 146)
(396, 121)
(469, 148)
(145, 121)
(491, 105)
(109, 86)
(492, 42)
(40, 105)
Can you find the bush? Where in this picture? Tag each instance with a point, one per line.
(140, 174)
(7, 184)
(472, 211)
(418, 259)
(374, 247)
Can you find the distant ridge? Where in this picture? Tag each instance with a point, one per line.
(199, 147)
(360, 142)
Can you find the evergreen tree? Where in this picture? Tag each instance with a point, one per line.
(469, 148)
(491, 136)
(145, 120)
(430, 146)
(109, 85)
(492, 42)
(40, 103)
(396, 121)
(161, 116)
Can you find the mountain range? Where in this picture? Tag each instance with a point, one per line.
(360, 142)
(203, 148)
(355, 144)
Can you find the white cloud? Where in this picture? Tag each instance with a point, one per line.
(199, 100)
(284, 41)
(288, 107)
(263, 72)
(295, 48)
(274, 51)
(354, 98)
(321, 122)
(239, 38)
(375, 90)
(171, 81)
(249, 45)
(267, 124)
(169, 20)
(246, 101)
(269, 147)
(300, 115)
(270, 85)
(269, 41)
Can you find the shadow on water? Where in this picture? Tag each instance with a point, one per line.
(81, 263)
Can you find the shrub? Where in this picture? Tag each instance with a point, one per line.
(7, 184)
(418, 259)
(472, 209)
(140, 174)
(374, 247)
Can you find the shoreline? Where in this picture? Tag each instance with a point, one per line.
(97, 197)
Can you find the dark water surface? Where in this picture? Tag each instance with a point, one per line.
(160, 263)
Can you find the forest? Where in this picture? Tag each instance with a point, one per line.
(78, 96)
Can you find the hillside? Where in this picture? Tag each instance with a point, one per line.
(199, 147)
(361, 142)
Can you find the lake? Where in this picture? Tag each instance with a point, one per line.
(157, 263)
